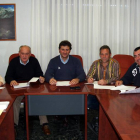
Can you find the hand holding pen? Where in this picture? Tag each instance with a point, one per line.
(90, 80)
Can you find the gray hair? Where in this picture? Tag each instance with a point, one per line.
(25, 46)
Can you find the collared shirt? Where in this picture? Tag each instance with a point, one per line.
(111, 73)
(64, 62)
(23, 63)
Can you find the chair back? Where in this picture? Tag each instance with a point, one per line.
(16, 55)
(79, 57)
(125, 62)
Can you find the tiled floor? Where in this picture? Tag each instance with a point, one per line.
(74, 130)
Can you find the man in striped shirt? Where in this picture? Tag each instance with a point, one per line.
(105, 70)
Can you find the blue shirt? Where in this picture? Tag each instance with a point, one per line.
(64, 62)
(22, 62)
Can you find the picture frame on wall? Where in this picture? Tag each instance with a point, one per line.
(7, 22)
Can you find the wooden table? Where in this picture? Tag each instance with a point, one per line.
(119, 115)
(49, 90)
(7, 117)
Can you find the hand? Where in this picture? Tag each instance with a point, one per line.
(90, 80)
(74, 81)
(102, 82)
(41, 79)
(118, 83)
(1, 84)
(14, 83)
(52, 81)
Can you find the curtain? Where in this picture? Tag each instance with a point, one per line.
(87, 24)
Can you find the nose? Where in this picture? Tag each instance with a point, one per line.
(65, 51)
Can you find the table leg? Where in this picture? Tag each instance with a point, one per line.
(85, 116)
(27, 118)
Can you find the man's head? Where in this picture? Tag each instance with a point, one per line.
(64, 49)
(24, 53)
(137, 55)
(105, 53)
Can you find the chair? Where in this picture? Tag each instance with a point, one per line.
(79, 57)
(15, 55)
(125, 62)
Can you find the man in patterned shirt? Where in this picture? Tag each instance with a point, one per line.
(105, 70)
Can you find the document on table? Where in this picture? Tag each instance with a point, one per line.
(2, 87)
(63, 83)
(96, 86)
(21, 85)
(34, 79)
(95, 82)
(137, 90)
(123, 88)
(3, 105)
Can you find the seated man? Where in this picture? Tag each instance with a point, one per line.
(65, 67)
(105, 70)
(23, 68)
(2, 82)
(132, 75)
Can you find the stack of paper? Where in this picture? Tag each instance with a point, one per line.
(3, 105)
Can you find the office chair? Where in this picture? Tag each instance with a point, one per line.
(79, 57)
(125, 62)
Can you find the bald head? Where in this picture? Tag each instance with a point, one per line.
(24, 53)
(26, 46)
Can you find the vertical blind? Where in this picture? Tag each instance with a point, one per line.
(87, 24)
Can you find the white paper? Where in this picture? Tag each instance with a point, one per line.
(96, 86)
(34, 79)
(2, 87)
(3, 105)
(137, 90)
(62, 83)
(123, 87)
(21, 85)
(95, 82)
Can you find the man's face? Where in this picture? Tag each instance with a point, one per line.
(137, 57)
(105, 55)
(24, 54)
(64, 52)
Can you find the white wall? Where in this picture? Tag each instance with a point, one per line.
(23, 14)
